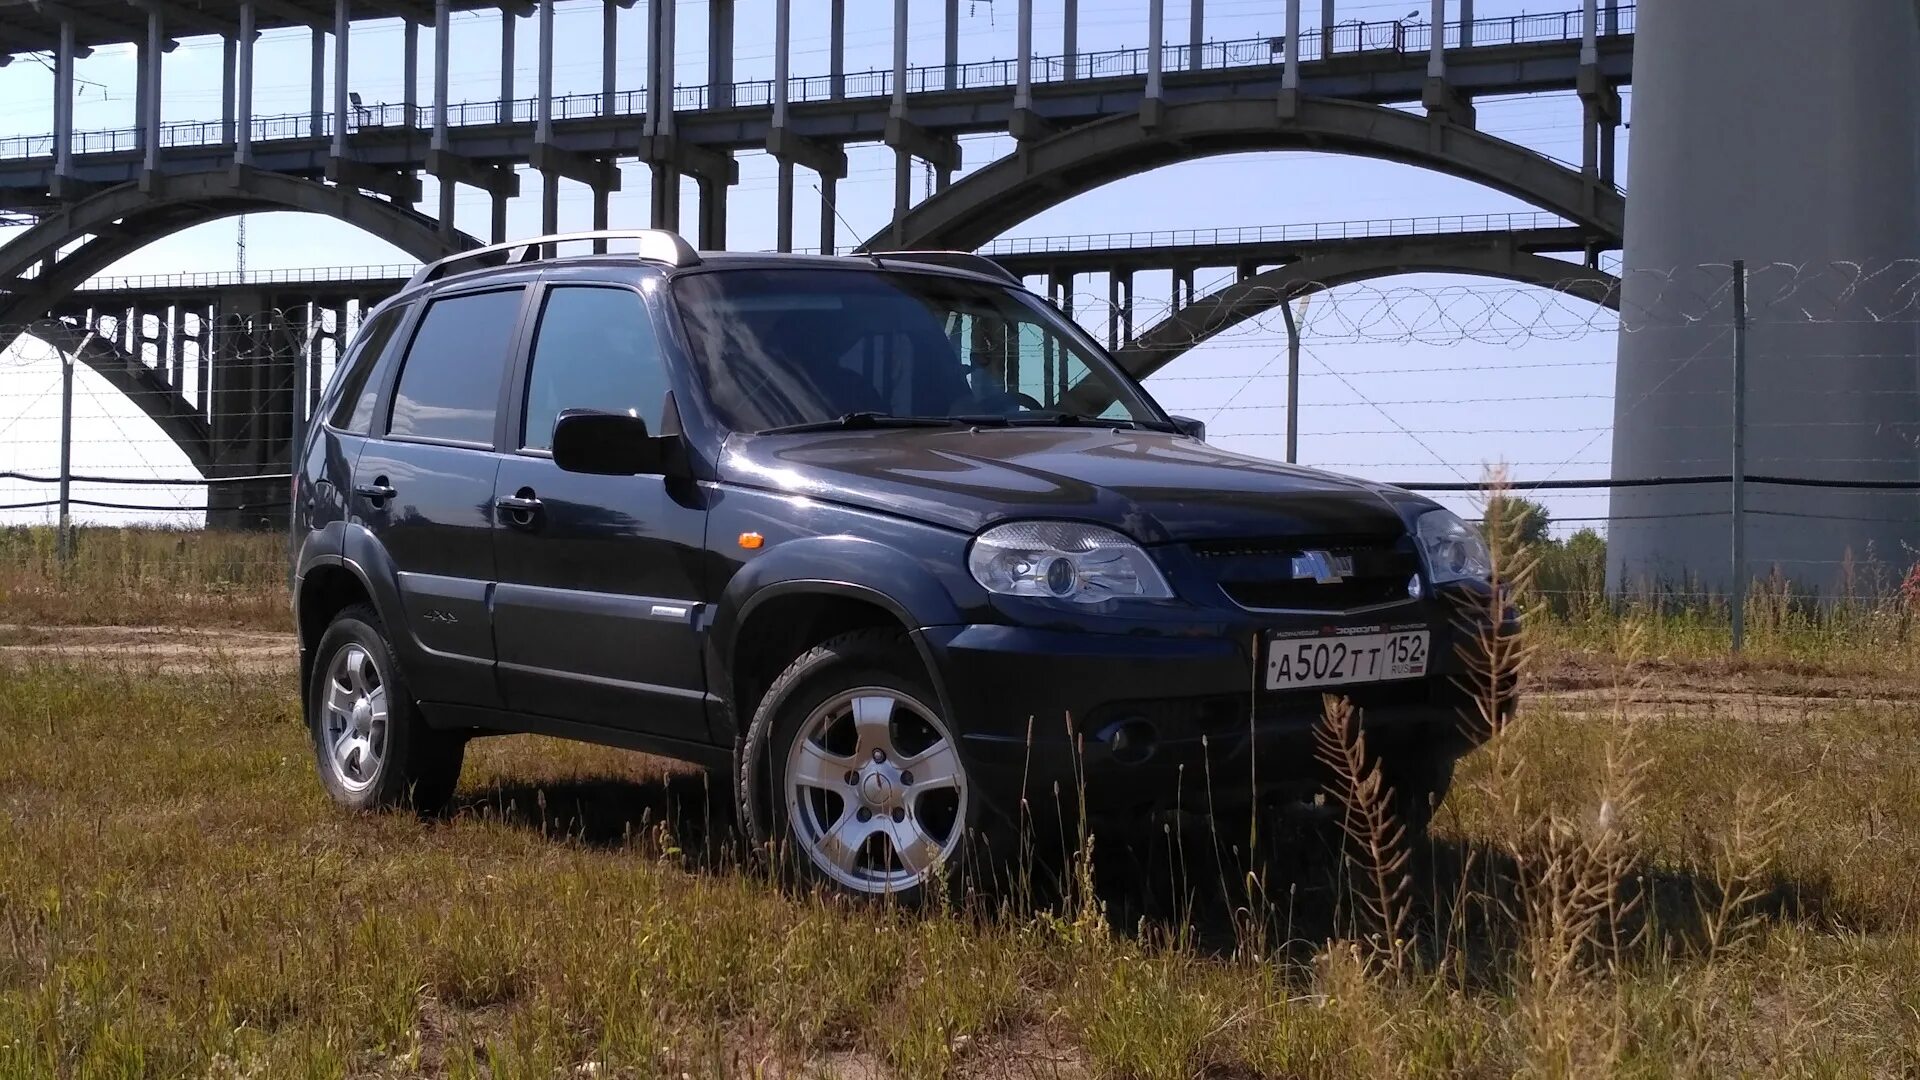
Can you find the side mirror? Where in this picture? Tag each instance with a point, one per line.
(1191, 428)
(606, 444)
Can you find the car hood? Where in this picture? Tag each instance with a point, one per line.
(1155, 487)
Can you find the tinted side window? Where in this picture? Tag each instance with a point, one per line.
(353, 410)
(595, 349)
(449, 388)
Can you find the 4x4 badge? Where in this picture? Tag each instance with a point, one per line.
(1322, 567)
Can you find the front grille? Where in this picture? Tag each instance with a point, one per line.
(1259, 574)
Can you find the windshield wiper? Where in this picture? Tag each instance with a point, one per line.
(1073, 419)
(860, 421)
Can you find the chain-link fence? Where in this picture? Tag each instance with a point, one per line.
(1711, 425)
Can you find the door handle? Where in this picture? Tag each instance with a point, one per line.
(519, 508)
(378, 491)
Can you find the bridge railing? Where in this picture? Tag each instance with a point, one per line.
(222, 278)
(1350, 37)
(1359, 229)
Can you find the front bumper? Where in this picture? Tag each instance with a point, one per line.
(1139, 722)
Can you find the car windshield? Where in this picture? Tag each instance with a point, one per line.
(781, 348)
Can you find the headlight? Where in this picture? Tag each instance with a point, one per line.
(1063, 560)
(1453, 549)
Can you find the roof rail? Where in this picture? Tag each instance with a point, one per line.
(958, 260)
(656, 245)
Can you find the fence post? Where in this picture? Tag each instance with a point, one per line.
(63, 540)
(1738, 478)
(1293, 382)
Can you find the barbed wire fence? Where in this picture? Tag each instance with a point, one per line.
(186, 418)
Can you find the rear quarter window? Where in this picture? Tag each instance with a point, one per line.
(356, 389)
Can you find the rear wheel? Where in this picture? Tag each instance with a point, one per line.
(849, 770)
(371, 744)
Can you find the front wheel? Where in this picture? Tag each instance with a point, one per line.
(372, 746)
(849, 769)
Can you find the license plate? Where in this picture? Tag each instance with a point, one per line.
(1336, 660)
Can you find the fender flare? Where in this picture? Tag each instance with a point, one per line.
(842, 567)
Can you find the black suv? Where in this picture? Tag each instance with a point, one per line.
(886, 537)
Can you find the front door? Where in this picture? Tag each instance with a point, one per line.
(598, 597)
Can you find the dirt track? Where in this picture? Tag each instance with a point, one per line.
(165, 648)
(1580, 683)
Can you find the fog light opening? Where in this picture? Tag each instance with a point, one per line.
(1134, 741)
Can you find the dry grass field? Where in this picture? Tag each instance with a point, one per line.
(1668, 864)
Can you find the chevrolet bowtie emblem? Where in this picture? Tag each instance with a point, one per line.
(1322, 567)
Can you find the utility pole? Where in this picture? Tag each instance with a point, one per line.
(63, 541)
(1738, 479)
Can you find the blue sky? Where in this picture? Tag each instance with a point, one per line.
(1412, 378)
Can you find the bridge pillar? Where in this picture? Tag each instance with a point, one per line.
(253, 362)
(1783, 135)
(316, 81)
(1119, 309)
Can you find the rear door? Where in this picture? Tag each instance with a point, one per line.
(598, 598)
(424, 488)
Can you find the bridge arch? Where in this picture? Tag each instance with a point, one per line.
(987, 203)
(1234, 304)
(113, 223)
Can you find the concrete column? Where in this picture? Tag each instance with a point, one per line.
(783, 208)
(543, 121)
(719, 54)
(783, 194)
(953, 44)
(1326, 28)
(1196, 32)
(653, 68)
(782, 45)
(442, 20)
(829, 220)
(837, 48)
(243, 88)
(499, 218)
(151, 121)
(140, 95)
(602, 213)
(63, 102)
(666, 197)
(1113, 311)
(410, 71)
(609, 53)
(506, 66)
(899, 107)
(713, 215)
(318, 84)
(1156, 46)
(342, 27)
(1023, 65)
(1290, 78)
(1466, 24)
(1070, 40)
(1589, 28)
(1437, 48)
(667, 50)
(543, 100)
(228, 49)
(1732, 161)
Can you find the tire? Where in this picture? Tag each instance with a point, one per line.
(1419, 783)
(825, 774)
(368, 762)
